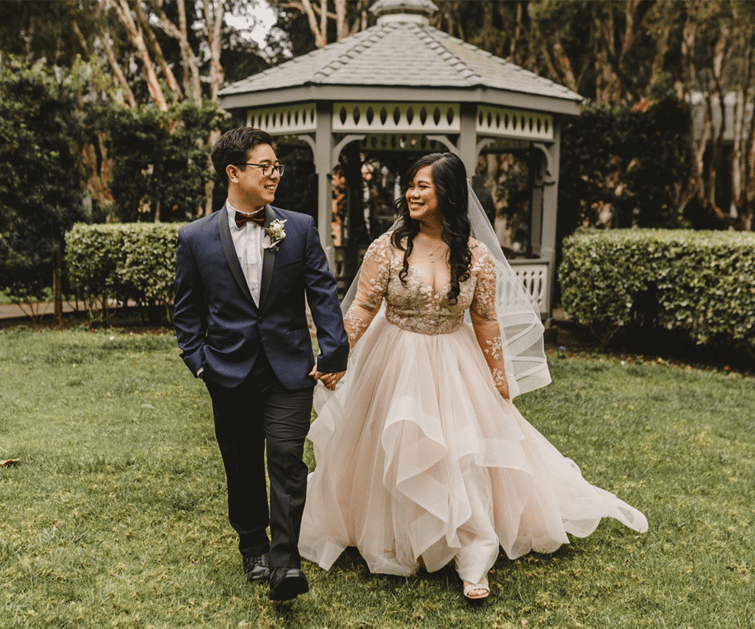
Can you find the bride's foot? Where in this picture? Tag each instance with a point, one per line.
(477, 591)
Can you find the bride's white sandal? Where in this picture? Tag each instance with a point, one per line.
(478, 591)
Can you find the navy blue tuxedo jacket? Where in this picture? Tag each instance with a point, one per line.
(219, 327)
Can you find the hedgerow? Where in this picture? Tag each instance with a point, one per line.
(697, 283)
(113, 265)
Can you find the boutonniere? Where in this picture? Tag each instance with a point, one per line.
(274, 235)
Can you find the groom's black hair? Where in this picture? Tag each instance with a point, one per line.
(234, 146)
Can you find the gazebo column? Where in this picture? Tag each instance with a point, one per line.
(468, 138)
(547, 184)
(323, 148)
(537, 164)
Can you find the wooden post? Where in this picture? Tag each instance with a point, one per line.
(468, 138)
(57, 288)
(322, 154)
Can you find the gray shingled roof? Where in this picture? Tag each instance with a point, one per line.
(401, 55)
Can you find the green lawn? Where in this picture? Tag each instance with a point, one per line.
(115, 515)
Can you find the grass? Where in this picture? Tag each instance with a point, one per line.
(115, 514)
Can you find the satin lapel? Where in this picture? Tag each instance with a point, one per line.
(230, 253)
(268, 260)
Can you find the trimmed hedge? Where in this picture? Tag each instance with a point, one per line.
(110, 266)
(698, 283)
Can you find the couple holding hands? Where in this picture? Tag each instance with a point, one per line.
(422, 458)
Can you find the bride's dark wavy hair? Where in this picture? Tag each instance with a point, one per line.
(450, 178)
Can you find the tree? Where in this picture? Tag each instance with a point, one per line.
(328, 21)
(154, 52)
(40, 181)
(624, 168)
(715, 69)
(31, 30)
(161, 160)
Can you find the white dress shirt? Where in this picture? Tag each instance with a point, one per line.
(247, 241)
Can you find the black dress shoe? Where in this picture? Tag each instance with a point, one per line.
(287, 583)
(256, 568)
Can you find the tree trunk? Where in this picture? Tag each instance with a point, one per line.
(320, 35)
(213, 13)
(120, 77)
(136, 38)
(192, 82)
(324, 21)
(57, 287)
(209, 187)
(342, 23)
(157, 50)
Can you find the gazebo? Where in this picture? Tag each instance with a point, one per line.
(404, 85)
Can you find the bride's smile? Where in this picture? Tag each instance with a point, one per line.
(422, 197)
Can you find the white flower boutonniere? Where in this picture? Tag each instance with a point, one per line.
(274, 235)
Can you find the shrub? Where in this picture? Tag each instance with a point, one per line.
(160, 159)
(699, 284)
(41, 186)
(112, 265)
(625, 167)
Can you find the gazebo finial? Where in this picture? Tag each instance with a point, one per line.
(403, 11)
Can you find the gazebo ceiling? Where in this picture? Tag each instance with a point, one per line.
(401, 59)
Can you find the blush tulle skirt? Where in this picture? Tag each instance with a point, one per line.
(420, 462)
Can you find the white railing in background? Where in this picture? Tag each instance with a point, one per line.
(534, 276)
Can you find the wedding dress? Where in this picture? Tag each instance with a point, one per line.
(420, 460)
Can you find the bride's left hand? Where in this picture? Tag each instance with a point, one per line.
(330, 380)
(503, 389)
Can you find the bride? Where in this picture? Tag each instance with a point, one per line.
(422, 458)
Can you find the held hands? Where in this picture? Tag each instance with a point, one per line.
(330, 380)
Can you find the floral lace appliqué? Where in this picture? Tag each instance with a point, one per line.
(355, 324)
(498, 377)
(494, 348)
(484, 302)
(379, 253)
(413, 305)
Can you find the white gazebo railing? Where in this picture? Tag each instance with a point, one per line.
(534, 275)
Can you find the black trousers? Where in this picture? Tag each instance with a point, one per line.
(257, 416)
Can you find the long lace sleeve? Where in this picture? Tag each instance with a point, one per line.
(484, 318)
(373, 282)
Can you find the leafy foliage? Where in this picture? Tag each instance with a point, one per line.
(161, 160)
(111, 265)
(697, 284)
(34, 30)
(625, 167)
(40, 176)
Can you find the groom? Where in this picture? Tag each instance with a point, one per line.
(241, 278)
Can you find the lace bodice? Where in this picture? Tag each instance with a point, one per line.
(416, 306)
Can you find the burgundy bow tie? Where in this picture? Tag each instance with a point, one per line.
(257, 218)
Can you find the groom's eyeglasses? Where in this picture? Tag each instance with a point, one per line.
(267, 169)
